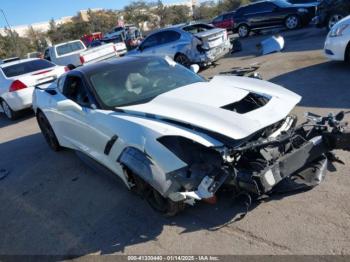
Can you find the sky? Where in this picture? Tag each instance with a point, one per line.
(22, 12)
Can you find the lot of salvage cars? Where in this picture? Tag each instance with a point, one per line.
(43, 187)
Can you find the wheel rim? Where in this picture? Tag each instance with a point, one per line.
(7, 109)
(333, 20)
(243, 30)
(292, 22)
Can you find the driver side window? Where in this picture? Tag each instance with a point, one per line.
(75, 90)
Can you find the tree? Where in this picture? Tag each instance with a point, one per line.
(137, 12)
(37, 39)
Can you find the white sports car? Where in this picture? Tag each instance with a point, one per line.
(176, 139)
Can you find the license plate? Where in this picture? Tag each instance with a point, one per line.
(216, 42)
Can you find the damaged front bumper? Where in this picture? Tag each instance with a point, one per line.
(257, 167)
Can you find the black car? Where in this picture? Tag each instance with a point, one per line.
(329, 12)
(266, 14)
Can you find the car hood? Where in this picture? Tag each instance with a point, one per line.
(201, 105)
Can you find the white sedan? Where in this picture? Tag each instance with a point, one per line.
(17, 81)
(176, 138)
(337, 45)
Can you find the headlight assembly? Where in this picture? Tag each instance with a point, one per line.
(338, 30)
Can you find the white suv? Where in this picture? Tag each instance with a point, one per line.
(18, 79)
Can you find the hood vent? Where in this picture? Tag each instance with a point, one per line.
(249, 103)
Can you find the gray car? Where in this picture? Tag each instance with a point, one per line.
(187, 44)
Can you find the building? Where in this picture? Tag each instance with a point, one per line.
(21, 30)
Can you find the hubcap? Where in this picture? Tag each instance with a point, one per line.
(333, 20)
(292, 22)
(243, 31)
(7, 109)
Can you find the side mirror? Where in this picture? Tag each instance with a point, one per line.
(194, 68)
(66, 105)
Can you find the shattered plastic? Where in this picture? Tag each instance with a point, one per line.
(271, 45)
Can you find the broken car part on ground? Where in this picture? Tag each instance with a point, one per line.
(176, 139)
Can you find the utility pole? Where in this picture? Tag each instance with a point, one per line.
(12, 36)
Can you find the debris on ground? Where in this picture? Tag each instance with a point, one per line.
(270, 45)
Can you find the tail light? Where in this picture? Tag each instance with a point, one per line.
(82, 60)
(66, 68)
(225, 35)
(17, 85)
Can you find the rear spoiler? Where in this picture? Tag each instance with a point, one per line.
(46, 83)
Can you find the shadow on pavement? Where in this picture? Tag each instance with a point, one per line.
(323, 85)
(25, 114)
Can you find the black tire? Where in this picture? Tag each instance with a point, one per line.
(159, 203)
(8, 112)
(71, 67)
(183, 60)
(292, 22)
(48, 132)
(333, 19)
(347, 54)
(163, 205)
(243, 30)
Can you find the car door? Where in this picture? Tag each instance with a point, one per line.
(168, 43)
(74, 119)
(218, 21)
(260, 14)
(149, 45)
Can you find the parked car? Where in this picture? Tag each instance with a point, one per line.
(337, 45)
(17, 81)
(187, 44)
(75, 53)
(267, 14)
(224, 21)
(330, 12)
(176, 139)
(118, 43)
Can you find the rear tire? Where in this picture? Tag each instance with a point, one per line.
(183, 60)
(292, 22)
(48, 132)
(243, 31)
(9, 113)
(347, 54)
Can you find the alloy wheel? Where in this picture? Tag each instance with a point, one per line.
(292, 22)
(7, 110)
(243, 31)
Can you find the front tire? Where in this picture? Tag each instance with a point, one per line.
(243, 31)
(9, 113)
(48, 132)
(292, 22)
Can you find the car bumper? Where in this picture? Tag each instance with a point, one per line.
(214, 54)
(19, 100)
(334, 47)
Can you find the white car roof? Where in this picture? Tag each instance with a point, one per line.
(17, 62)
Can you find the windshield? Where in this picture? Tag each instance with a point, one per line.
(137, 82)
(26, 67)
(69, 48)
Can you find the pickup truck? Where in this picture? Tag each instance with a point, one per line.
(75, 53)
